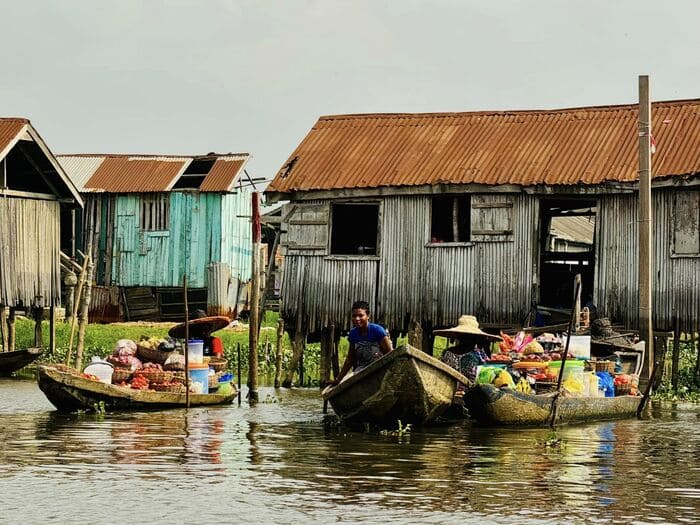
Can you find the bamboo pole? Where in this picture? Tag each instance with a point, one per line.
(254, 322)
(187, 338)
(555, 399)
(296, 352)
(238, 348)
(74, 313)
(38, 314)
(279, 352)
(646, 331)
(83, 320)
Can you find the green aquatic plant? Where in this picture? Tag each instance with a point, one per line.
(553, 441)
(401, 431)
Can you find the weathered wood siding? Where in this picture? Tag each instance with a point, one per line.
(29, 251)
(160, 258)
(495, 277)
(676, 280)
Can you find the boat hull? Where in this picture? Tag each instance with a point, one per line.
(490, 405)
(69, 392)
(405, 384)
(13, 361)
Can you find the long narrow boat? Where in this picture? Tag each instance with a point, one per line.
(13, 361)
(406, 384)
(69, 392)
(490, 405)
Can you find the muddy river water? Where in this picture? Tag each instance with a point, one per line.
(281, 462)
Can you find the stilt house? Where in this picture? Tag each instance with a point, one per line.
(154, 219)
(431, 216)
(36, 203)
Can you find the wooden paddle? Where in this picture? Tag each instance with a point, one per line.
(647, 390)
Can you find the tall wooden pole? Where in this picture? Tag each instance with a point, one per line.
(254, 304)
(279, 352)
(187, 338)
(646, 331)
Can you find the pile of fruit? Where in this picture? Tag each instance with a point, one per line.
(91, 377)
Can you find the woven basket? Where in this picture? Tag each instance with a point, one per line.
(121, 374)
(214, 381)
(146, 354)
(155, 376)
(219, 364)
(623, 390)
(177, 388)
(179, 377)
(605, 366)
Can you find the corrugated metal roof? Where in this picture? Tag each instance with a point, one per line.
(135, 175)
(555, 147)
(222, 175)
(9, 129)
(147, 173)
(80, 168)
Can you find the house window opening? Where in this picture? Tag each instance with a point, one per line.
(155, 212)
(354, 229)
(450, 219)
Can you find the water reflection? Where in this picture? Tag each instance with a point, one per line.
(280, 463)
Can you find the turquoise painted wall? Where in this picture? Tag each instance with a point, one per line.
(160, 258)
(236, 233)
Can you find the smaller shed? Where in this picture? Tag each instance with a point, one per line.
(36, 199)
(154, 219)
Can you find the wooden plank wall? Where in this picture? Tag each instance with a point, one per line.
(29, 251)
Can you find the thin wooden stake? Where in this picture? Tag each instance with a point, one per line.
(4, 328)
(11, 332)
(83, 320)
(279, 352)
(238, 349)
(74, 314)
(187, 338)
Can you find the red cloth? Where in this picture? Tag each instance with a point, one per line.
(217, 347)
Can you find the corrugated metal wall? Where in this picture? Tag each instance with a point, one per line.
(676, 281)
(236, 234)
(29, 251)
(160, 258)
(494, 280)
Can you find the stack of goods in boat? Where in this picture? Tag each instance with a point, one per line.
(158, 364)
(532, 365)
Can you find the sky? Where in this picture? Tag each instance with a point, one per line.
(194, 76)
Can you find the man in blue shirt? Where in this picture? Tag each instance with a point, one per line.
(368, 341)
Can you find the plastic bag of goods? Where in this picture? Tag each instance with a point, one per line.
(503, 380)
(125, 361)
(573, 385)
(124, 347)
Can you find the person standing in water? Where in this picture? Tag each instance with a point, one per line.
(368, 341)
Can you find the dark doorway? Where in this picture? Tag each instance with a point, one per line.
(567, 247)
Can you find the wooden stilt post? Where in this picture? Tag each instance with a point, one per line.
(254, 322)
(335, 360)
(646, 331)
(4, 328)
(38, 315)
(11, 333)
(52, 328)
(675, 356)
(279, 351)
(297, 349)
(327, 340)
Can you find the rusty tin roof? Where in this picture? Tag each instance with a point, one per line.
(148, 173)
(554, 147)
(9, 129)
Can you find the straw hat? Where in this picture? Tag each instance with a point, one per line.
(467, 325)
(199, 326)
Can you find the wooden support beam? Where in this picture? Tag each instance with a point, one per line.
(279, 352)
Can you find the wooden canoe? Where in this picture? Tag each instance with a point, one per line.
(13, 361)
(490, 405)
(70, 392)
(405, 384)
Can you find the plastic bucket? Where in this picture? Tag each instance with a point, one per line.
(573, 367)
(101, 369)
(199, 378)
(195, 351)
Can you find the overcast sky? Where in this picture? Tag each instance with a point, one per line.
(193, 76)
